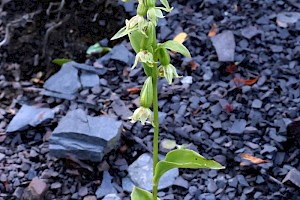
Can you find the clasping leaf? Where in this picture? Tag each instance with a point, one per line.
(183, 158)
(140, 194)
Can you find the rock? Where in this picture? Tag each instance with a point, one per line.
(89, 138)
(83, 191)
(140, 172)
(121, 53)
(242, 181)
(65, 81)
(256, 103)
(127, 184)
(106, 187)
(90, 197)
(89, 68)
(58, 95)
(181, 182)
(89, 79)
(293, 131)
(36, 190)
(224, 44)
(293, 176)
(29, 116)
(250, 31)
(120, 108)
(55, 185)
(211, 186)
(285, 19)
(207, 196)
(111, 197)
(18, 192)
(187, 80)
(238, 127)
(2, 156)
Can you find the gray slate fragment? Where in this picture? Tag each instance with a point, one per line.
(293, 176)
(111, 197)
(89, 79)
(121, 53)
(89, 68)
(89, 138)
(120, 108)
(65, 81)
(256, 103)
(285, 19)
(140, 172)
(224, 44)
(106, 186)
(127, 184)
(29, 116)
(238, 127)
(58, 95)
(250, 31)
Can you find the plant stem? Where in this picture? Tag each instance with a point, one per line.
(156, 127)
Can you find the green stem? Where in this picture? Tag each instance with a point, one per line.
(156, 127)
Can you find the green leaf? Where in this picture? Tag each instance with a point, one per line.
(140, 194)
(60, 61)
(147, 69)
(121, 33)
(96, 48)
(183, 158)
(175, 46)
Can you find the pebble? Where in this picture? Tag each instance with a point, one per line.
(224, 44)
(256, 103)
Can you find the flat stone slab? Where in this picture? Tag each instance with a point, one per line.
(238, 127)
(88, 79)
(89, 68)
(293, 176)
(140, 172)
(29, 116)
(224, 44)
(65, 81)
(285, 19)
(250, 31)
(86, 137)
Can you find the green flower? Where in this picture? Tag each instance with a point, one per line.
(153, 14)
(143, 56)
(142, 114)
(169, 72)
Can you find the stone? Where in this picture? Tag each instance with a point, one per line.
(36, 190)
(127, 184)
(285, 19)
(121, 53)
(181, 182)
(250, 32)
(55, 185)
(187, 80)
(238, 127)
(58, 95)
(29, 116)
(224, 44)
(256, 103)
(120, 108)
(106, 186)
(293, 176)
(86, 137)
(207, 196)
(2, 156)
(88, 79)
(242, 181)
(211, 186)
(111, 197)
(65, 81)
(90, 197)
(140, 172)
(18, 192)
(88, 68)
(83, 191)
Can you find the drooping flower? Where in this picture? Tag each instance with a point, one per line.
(142, 114)
(169, 72)
(143, 56)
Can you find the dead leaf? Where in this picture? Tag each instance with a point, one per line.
(246, 81)
(213, 30)
(231, 68)
(253, 159)
(194, 65)
(181, 37)
(134, 90)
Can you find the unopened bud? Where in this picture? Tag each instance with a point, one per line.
(146, 97)
(142, 9)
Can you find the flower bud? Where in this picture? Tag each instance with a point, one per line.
(151, 33)
(142, 9)
(164, 56)
(146, 96)
(151, 15)
(151, 3)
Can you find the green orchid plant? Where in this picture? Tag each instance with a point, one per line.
(155, 60)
